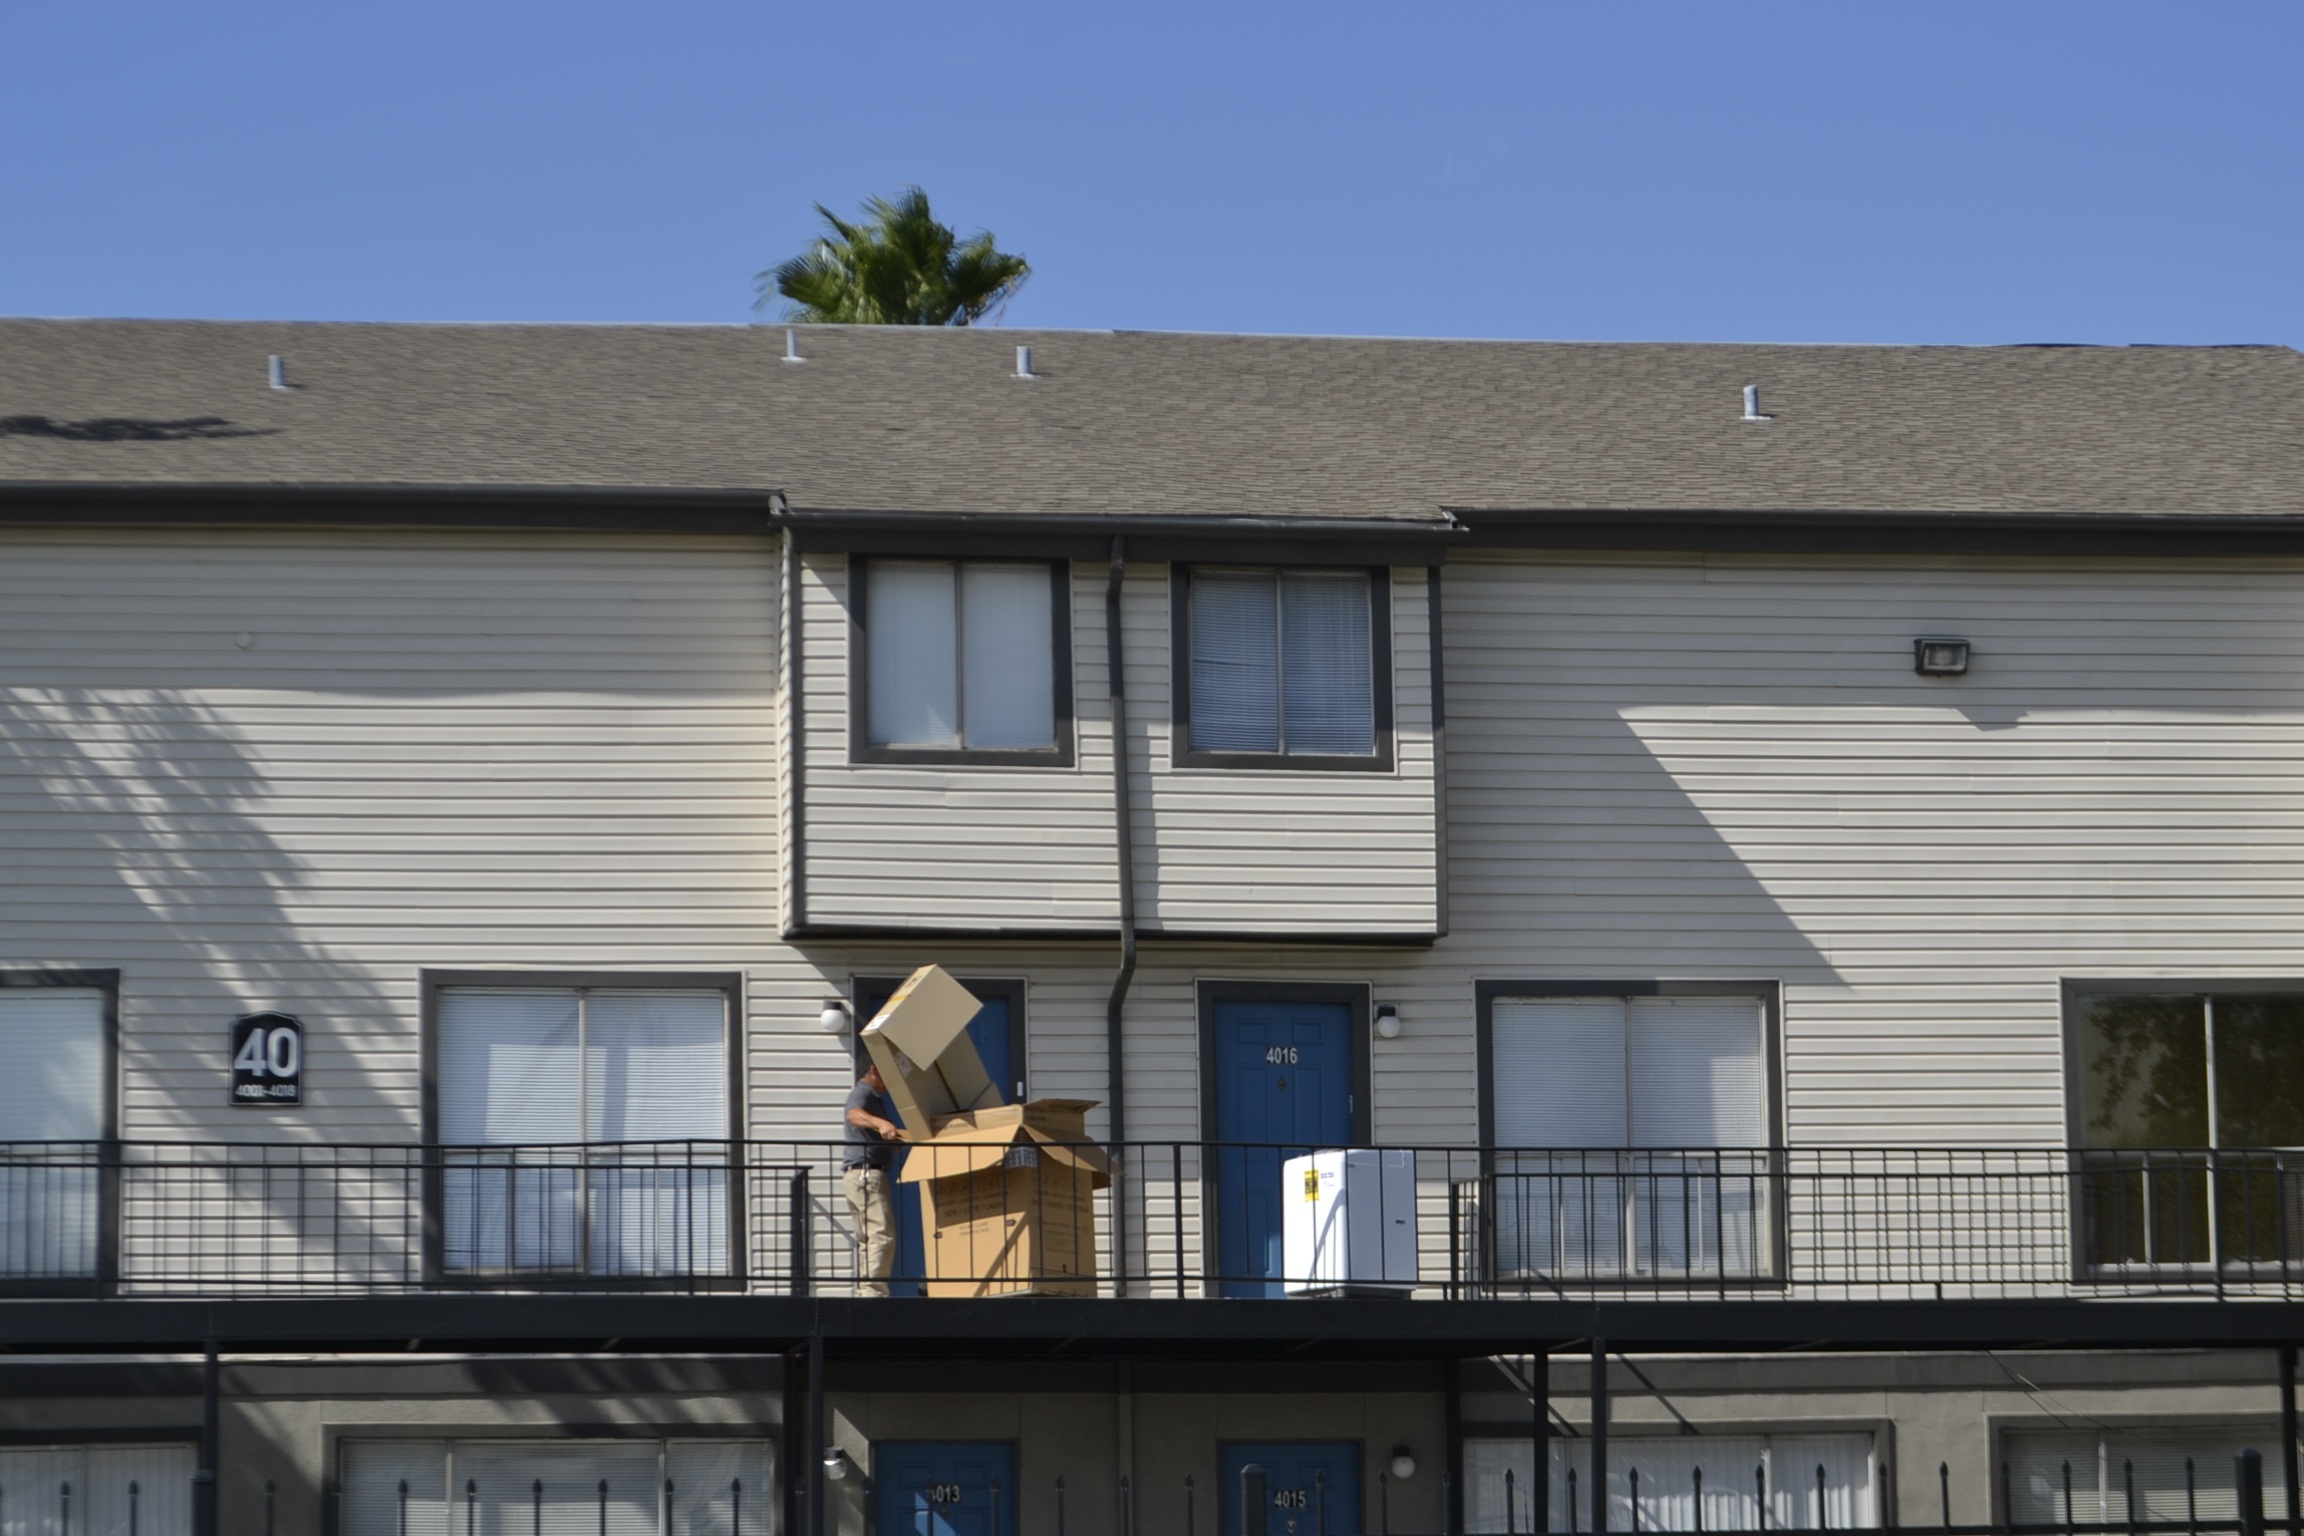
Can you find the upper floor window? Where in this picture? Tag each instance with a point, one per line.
(963, 660)
(588, 1128)
(1284, 667)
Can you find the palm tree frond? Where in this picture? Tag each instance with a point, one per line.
(896, 266)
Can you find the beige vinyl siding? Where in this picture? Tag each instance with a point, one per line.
(1726, 767)
(1273, 851)
(437, 750)
(953, 846)
(1217, 850)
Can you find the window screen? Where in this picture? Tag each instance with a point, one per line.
(1733, 1468)
(960, 655)
(607, 1112)
(1282, 662)
(637, 1487)
(66, 1490)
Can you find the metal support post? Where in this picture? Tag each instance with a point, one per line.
(817, 1437)
(1599, 1436)
(2288, 1436)
(1540, 1440)
(204, 1476)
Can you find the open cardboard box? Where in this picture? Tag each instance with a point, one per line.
(1008, 1202)
(1007, 1190)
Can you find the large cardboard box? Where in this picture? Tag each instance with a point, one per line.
(1007, 1203)
(920, 1043)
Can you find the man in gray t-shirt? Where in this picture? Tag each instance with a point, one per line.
(871, 1147)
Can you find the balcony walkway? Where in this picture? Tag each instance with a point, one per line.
(747, 1246)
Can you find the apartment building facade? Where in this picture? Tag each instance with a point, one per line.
(1794, 847)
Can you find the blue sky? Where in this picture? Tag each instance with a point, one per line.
(1734, 170)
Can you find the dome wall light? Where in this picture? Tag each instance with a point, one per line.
(835, 1018)
(1403, 1464)
(837, 1466)
(1387, 1021)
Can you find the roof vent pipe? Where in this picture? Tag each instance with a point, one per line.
(1024, 363)
(1752, 404)
(792, 347)
(276, 371)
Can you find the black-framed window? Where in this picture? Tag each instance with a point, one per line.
(588, 1123)
(1282, 666)
(59, 1103)
(960, 661)
(1632, 1127)
(2186, 1106)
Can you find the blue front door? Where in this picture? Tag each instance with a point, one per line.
(945, 1487)
(1311, 1488)
(991, 1032)
(1284, 1078)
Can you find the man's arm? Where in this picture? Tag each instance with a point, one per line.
(872, 1122)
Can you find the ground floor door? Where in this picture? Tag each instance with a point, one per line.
(944, 1487)
(1309, 1488)
(1283, 1074)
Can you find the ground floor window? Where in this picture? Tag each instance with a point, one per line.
(2187, 1108)
(2158, 1464)
(586, 1130)
(1633, 1133)
(1739, 1475)
(556, 1487)
(54, 1111)
(56, 1490)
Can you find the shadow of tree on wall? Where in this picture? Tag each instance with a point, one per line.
(131, 844)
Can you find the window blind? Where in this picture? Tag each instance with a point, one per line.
(913, 662)
(656, 1066)
(1559, 1072)
(507, 1072)
(1667, 1468)
(53, 1041)
(1235, 662)
(1696, 1072)
(717, 1487)
(49, 1491)
(533, 1070)
(2100, 1462)
(1327, 702)
(1007, 657)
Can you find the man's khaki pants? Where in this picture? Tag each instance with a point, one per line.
(873, 1205)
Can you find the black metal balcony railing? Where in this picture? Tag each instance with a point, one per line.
(1181, 1219)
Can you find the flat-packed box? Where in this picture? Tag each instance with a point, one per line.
(920, 1043)
(1007, 1202)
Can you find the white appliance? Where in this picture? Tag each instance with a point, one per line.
(1349, 1223)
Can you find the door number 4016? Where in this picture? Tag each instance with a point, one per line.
(1280, 1056)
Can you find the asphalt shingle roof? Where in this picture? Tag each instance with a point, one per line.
(933, 420)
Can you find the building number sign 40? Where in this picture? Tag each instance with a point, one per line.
(267, 1061)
